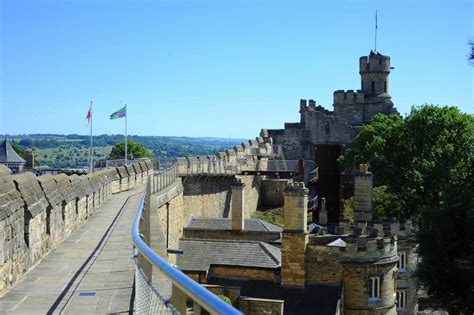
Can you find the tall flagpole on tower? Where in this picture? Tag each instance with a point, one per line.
(376, 26)
(126, 134)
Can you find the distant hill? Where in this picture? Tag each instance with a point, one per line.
(58, 150)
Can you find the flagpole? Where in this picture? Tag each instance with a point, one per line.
(126, 134)
(376, 26)
(90, 152)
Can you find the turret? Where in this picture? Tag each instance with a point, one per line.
(374, 71)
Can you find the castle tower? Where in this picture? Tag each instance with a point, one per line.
(374, 71)
(295, 235)
(369, 275)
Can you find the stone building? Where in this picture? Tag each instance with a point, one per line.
(10, 158)
(361, 268)
(323, 135)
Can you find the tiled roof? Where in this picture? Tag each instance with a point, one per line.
(199, 254)
(8, 155)
(226, 224)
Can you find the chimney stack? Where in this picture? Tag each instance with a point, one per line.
(294, 236)
(238, 201)
(363, 194)
(295, 213)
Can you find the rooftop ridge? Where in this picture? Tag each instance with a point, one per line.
(264, 245)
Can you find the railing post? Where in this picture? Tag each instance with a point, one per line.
(178, 299)
(196, 308)
(144, 228)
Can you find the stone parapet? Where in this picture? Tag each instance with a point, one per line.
(348, 97)
(35, 204)
(131, 176)
(4, 171)
(32, 194)
(65, 188)
(357, 249)
(51, 190)
(37, 213)
(13, 259)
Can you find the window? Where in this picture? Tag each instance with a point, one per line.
(385, 86)
(373, 86)
(402, 262)
(374, 288)
(401, 299)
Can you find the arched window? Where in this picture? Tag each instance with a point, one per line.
(374, 288)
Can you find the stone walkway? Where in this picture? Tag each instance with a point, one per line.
(91, 272)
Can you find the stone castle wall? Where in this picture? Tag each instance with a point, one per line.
(198, 196)
(38, 213)
(272, 192)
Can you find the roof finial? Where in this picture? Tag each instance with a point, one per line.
(376, 27)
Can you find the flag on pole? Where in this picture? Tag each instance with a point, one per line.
(89, 114)
(120, 113)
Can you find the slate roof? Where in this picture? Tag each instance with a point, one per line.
(199, 254)
(226, 224)
(8, 155)
(312, 299)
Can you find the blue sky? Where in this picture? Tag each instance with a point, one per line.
(218, 68)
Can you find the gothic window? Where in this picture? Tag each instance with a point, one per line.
(374, 288)
(402, 262)
(401, 299)
(373, 86)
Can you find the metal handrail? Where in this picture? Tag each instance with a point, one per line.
(189, 287)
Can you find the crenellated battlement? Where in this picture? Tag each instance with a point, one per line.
(376, 228)
(348, 97)
(353, 247)
(375, 62)
(227, 161)
(310, 106)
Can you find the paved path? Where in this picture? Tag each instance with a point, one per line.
(91, 272)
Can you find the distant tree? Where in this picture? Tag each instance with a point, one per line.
(384, 204)
(426, 160)
(21, 150)
(135, 149)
